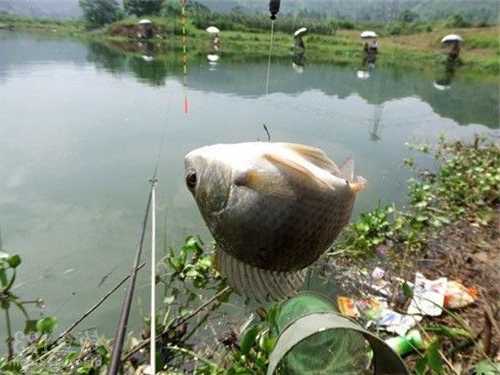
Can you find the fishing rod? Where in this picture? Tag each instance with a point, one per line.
(152, 351)
(127, 301)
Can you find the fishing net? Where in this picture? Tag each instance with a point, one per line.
(314, 339)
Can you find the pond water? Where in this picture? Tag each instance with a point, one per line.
(81, 126)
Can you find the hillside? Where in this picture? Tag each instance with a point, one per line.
(59, 9)
(359, 10)
(372, 10)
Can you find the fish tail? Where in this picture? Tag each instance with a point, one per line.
(257, 283)
(359, 184)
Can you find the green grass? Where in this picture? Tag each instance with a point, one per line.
(70, 28)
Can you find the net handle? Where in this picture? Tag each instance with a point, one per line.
(387, 362)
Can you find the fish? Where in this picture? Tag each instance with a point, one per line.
(273, 209)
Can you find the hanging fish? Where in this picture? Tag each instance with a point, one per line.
(273, 209)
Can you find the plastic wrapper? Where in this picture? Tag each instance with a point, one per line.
(428, 296)
(458, 296)
(371, 308)
(392, 321)
(347, 307)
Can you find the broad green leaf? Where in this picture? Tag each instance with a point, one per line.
(434, 359)
(46, 325)
(30, 326)
(14, 261)
(3, 277)
(248, 339)
(487, 367)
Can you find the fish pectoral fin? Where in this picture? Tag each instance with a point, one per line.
(315, 156)
(265, 183)
(347, 170)
(297, 174)
(294, 180)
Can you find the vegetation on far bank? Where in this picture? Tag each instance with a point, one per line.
(453, 210)
(412, 44)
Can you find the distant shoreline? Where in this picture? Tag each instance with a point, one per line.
(421, 50)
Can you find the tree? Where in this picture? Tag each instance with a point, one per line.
(100, 12)
(143, 7)
(408, 16)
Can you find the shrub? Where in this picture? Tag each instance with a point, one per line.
(457, 20)
(100, 12)
(143, 7)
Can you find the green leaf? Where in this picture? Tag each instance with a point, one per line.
(248, 339)
(192, 244)
(3, 277)
(407, 290)
(4, 304)
(487, 367)
(85, 370)
(421, 365)
(46, 325)
(192, 273)
(102, 351)
(14, 261)
(434, 359)
(268, 344)
(451, 332)
(70, 357)
(30, 326)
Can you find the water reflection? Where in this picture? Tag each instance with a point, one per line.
(298, 61)
(375, 131)
(467, 102)
(213, 60)
(445, 76)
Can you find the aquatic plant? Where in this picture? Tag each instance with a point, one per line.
(465, 186)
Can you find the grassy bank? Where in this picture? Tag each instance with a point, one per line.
(63, 28)
(448, 229)
(422, 49)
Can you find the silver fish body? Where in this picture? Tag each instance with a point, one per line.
(272, 206)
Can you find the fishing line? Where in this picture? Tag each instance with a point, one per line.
(268, 75)
(184, 54)
(274, 7)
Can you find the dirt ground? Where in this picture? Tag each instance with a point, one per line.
(471, 255)
(461, 252)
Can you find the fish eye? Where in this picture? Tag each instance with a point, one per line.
(191, 179)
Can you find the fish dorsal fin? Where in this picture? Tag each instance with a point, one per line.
(347, 170)
(294, 180)
(315, 156)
